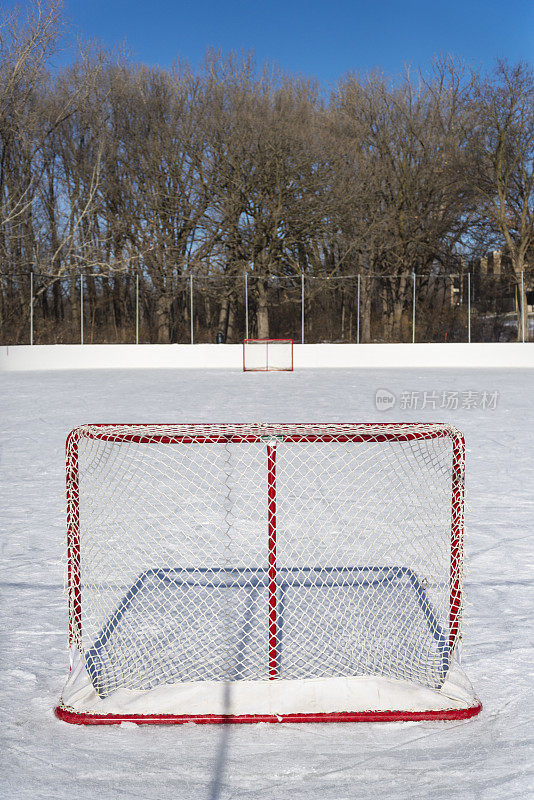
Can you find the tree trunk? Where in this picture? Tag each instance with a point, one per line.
(230, 334)
(117, 318)
(163, 318)
(521, 310)
(387, 312)
(343, 314)
(56, 302)
(222, 326)
(398, 308)
(74, 308)
(365, 310)
(263, 310)
(91, 304)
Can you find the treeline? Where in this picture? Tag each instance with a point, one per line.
(124, 173)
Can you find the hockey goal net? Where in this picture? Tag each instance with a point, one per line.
(243, 572)
(267, 355)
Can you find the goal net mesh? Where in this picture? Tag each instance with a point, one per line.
(267, 355)
(257, 552)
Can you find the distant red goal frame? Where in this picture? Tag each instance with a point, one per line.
(268, 367)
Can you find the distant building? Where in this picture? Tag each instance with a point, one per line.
(497, 265)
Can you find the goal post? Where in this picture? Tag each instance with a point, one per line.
(265, 572)
(267, 355)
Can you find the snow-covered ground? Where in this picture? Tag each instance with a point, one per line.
(490, 756)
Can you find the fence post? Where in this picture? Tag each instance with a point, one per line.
(191, 305)
(246, 305)
(413, 308)
(81, 308)
(523, 306)
(469, 307)
(137, 308)
(31, 307)
(302, 308)
(358, 314)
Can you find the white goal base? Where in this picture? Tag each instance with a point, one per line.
(246, 701)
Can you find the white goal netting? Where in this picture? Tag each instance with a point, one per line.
(202, 553)
(268, 355)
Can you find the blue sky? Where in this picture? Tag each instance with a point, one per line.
(313, 37)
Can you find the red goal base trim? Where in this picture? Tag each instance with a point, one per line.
(81, 718)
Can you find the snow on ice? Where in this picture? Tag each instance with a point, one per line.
(488, 757)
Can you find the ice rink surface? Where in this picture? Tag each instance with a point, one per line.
(490, 756)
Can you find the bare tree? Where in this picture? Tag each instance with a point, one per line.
(503, 172)
(36, 114)
(405, 207)
(27, 39)
(159, 120)
(114, 174)
(270, 175)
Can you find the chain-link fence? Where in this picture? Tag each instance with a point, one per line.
(36, 308)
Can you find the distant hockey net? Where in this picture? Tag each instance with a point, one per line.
(267, 355)
(265, 572)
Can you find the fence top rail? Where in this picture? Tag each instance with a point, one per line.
(237, 276)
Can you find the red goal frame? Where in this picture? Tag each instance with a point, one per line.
(269, 435)
(267, 367)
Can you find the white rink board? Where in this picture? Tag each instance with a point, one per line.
(230, 356)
